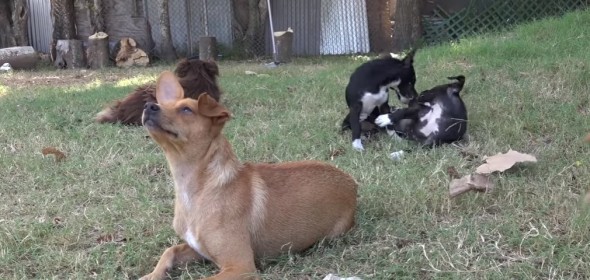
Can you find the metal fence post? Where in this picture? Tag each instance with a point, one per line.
(188, 9)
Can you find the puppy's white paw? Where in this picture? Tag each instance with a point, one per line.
(397, 155)
(358, 145)
(392, 133)
(383, 120)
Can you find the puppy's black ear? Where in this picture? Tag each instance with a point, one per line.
(460, 79)
(409, 59)
(456, 87)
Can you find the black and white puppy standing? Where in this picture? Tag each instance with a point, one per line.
(367, 92)
(435, 117)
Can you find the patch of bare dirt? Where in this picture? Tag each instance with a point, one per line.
(68, 77)
(59, 78)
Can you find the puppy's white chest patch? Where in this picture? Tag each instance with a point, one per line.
(431, 120)
(372, 100)
(190, 239)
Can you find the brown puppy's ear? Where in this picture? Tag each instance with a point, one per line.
(168, 89)
(409, 59)
(208, 107)
(211, 68)
(182, 68)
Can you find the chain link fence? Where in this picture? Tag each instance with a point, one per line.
(481, 16)
(190, 20)
(321, 27)
(331, 27)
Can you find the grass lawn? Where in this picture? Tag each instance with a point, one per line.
(106, 211)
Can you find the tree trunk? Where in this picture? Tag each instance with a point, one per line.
(14, 15)
(379, 22)
(95, 12)
(97, 53)
(407, 27)
(248, 25)
(167, 51)
(240, 19)
(64, 22)
(207, 48)
(20, 17)
(254, 37)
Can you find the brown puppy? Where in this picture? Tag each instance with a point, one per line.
(230, 212)
(195, 76)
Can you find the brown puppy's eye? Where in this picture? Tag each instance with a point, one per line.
(186, 110)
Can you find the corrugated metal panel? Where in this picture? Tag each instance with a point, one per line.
(322, 27)
(344, 27)
(303, 16)
(40, 25)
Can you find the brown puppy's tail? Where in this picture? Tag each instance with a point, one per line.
(129, 110)
(106, 116)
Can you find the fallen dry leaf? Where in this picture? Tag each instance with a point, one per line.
(468, 155)
(250, 72)
(106, 238)
(402, 242)
(59, 155)
(336, 153)
(501, 162)
(57, 221)
(452, 172)
(472, 182)
(588, 137)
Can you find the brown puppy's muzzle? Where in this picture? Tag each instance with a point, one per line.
(152, 119)
(151, 111)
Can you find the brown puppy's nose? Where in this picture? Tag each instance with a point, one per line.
(151, 107)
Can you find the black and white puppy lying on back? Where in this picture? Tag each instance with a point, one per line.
(437, 116)
(367, 92)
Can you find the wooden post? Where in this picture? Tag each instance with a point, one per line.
(19, 57)
(70, 54)
(379, 23)
(97, 53)
(207, 48)
(284, 42)
(407, 27)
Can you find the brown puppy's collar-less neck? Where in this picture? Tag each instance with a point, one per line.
(215, 167)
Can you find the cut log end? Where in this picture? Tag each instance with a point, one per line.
(284, 45)
(129, 55)
(98, 36)
(97, 53)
